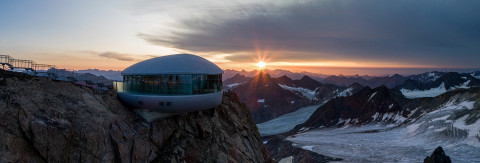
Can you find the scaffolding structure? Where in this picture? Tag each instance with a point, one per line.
(32, 68)
(21, 64)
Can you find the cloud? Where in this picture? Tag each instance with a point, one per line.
(118, 56)
(441, 33)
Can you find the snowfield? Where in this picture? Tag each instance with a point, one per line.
(394, 145)
(286, 122)
(446, 127)
(424, 93)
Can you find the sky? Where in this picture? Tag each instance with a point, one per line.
(323, 36)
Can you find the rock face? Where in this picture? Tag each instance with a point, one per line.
(47, 121)
(438, 156)
(280, 148)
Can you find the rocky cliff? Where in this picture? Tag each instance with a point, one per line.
(42, 120)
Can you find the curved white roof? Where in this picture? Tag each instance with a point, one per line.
(173, 64)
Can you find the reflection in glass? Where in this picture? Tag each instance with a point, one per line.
(170, 84)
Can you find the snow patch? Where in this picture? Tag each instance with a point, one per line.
(346, 92)
(473, 74)
(433, 76)
(288, 159)
(261, 100)
(441, 118)
(234, 85)
(308, 147)
(451, 105)
(464, 86)
(372, 96)
(375, 116)
(398, 118)
(310, 94)
(303, 129)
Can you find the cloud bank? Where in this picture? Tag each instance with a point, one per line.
(430, 32)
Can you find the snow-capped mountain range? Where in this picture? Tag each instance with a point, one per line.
(402, 124)
(308, 91)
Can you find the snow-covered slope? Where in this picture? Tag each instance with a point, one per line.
(454, 125)
(424, 93)
(437, 85)
(476, 74)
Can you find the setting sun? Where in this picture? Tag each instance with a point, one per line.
(261, 64)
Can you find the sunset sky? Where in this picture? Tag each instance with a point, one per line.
(323, 36)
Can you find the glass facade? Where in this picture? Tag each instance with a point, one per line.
(170, 84)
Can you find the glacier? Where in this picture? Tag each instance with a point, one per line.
(286, 122)
(412, 142)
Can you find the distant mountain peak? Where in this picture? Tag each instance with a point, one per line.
(238, 76)
(306, 77)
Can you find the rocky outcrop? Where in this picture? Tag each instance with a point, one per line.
(438, 156)
(42, 120)
(281, 149)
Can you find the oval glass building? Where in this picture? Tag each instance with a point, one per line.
(172, 84)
